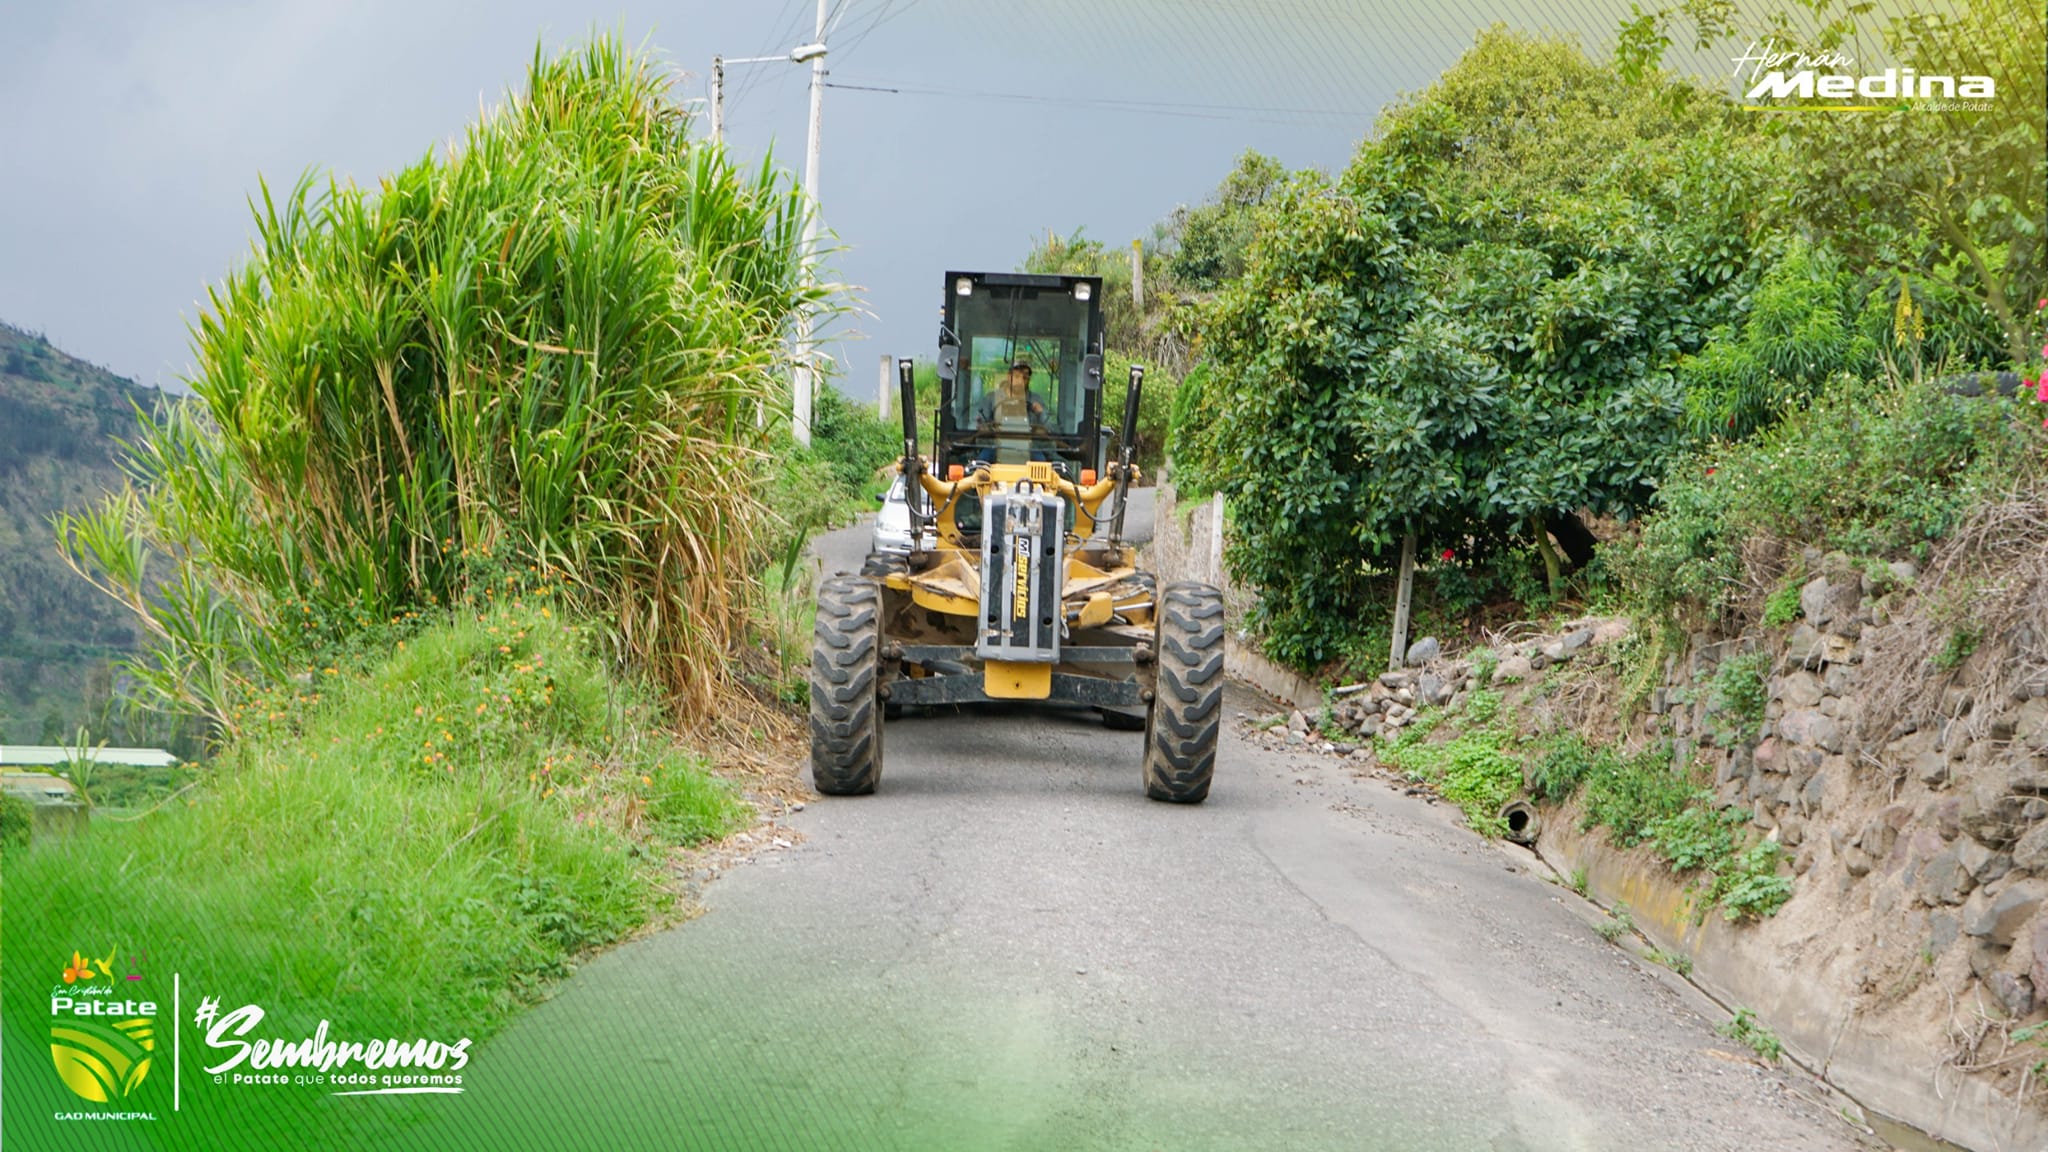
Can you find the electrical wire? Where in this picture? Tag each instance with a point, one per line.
(883, 15)
(1141, 107)
(786, 24)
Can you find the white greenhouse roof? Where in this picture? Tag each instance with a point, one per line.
(49, 755)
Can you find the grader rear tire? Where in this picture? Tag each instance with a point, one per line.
(846, 713)
(1187, 705)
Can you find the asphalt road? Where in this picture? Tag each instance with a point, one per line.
(1009, 947)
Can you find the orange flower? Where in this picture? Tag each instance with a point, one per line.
(80, 969)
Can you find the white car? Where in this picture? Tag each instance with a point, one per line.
(892, 523)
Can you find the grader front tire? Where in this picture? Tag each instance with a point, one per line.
(1187, 705)
(846, 713)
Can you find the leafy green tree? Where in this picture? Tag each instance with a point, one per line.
(1952, 200)
(1950, 197)
(854, 441)
(1192, 253)
(1474, 331)
(1208, 245)
(1801, 330)
(1155, 407)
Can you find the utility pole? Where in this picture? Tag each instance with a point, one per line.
(882, 393)
(1403, 589)
(1216, 575)
(717, 99)
(805, 376)
(813, 53)
(1138, 275)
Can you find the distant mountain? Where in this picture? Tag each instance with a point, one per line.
(61, 422)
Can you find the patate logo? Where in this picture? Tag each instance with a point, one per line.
(101, 1043)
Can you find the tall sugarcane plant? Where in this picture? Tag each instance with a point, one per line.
(546, 344)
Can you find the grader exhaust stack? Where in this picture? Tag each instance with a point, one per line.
(1025, 593)
(1127, 452)
(906, 386)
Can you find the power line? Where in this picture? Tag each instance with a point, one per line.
(1141, 107)
(787, 24)
(887, 12)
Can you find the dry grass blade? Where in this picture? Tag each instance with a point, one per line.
(1985, 588)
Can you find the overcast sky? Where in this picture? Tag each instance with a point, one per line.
(131, 134)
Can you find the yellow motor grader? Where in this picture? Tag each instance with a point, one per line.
(1019, 586)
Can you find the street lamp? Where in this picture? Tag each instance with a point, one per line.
(801, 54)
(804, 376)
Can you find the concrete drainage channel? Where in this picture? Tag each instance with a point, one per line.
(1819, 1036)
(1853, 1064)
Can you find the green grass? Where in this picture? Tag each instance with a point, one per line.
(1617, 925)
(1744, 1029)
(1474, 770)
(1641, 800)
(1782, 606)
(1482, 706)
(415, 846)
(1676, 961)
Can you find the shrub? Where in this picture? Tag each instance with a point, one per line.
(1750, 887)
(1782, 607)
(1872, 469)
(855, 443)
(1799, 333)
(1629, 795)
(17, 821)
(1738, 695)
(1562, 763)
(547, 344)
(1698, 836)
(1475, 770)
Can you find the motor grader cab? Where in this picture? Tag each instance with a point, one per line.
(1028, 593)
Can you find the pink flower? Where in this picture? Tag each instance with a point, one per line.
(2041, 392)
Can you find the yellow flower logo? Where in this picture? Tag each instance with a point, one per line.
(79, 969)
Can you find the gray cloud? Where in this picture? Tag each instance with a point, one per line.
(136, 131)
